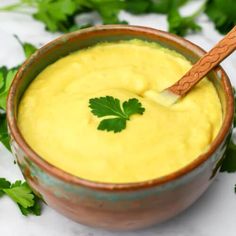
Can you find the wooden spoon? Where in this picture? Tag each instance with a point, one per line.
(199, 70)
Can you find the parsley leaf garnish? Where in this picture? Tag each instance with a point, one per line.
(118, 116)
(22, 195)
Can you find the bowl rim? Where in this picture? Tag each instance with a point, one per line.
(72, 179)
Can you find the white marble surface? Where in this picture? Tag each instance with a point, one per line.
(214, 214)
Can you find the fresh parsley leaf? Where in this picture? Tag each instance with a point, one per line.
(28, 48)
(222, 13)
(108, 10)
(19, 192)
(56, 15)
(106, 106)
(133, 106)
(4, 136)
(59, 15)
(4, 183)
(112, 124)
(35, 209)
(229, 163)
(22, 195)
(6, 77)
(183, 25)
(118, 116)
(138, 6)
(164, 6)
(3, 74)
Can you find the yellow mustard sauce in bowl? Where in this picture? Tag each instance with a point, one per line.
(55, 119)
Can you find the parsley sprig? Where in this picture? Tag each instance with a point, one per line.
(229, 163)
(118, 115)
(22, 195)
(222, 13)
(6, 77)
(19, 191)
(182, 25)
(60, 15)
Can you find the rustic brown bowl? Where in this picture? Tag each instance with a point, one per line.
(117, 206)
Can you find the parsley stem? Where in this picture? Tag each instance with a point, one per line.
(11, 7)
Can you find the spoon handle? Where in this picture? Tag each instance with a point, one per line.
(223, 49)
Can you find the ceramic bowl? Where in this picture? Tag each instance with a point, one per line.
(117, 206)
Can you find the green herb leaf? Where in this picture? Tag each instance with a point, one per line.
(56, 15)
(21, 194)
(28, 48)
(6, 77)
(108, 10)
(229, 163)
(164, 6)
(113, 124)
(132, 106)
(4, 136)
(138, 6)
(222, 13)
(34, 210)
(182, 25)
(1, 193)
(4, 183)
(118, 116)
(59, 15)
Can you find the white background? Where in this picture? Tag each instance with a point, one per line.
(214, 214)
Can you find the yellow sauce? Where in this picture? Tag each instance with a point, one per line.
(57, 123)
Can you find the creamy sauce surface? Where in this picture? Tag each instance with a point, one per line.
(57, 123)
